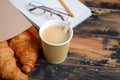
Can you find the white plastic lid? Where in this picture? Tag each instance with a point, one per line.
(12, 22)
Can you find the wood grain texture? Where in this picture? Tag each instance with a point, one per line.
(111, 4)
(93, 54)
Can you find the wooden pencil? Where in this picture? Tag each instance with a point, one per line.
(66, 7)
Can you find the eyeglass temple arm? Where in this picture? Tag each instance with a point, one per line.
(55, 14)
(58, 15)
(57, 11)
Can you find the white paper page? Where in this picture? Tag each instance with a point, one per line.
(80, 11)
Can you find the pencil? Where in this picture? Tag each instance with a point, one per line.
(66, 7)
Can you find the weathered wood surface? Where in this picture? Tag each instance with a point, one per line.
(94, 51)
(114, 4)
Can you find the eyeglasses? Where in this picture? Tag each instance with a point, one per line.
(38, 8)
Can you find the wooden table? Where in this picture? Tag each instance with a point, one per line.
(94, 51)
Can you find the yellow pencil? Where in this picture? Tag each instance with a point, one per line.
(66, 7)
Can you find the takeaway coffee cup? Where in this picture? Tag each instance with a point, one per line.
(55, 42)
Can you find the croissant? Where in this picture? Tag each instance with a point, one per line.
(26, 50)
(35, 34)
(8, 67)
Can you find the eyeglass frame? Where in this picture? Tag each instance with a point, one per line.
(48, 9)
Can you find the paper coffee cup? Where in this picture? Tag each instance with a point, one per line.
(55, 52)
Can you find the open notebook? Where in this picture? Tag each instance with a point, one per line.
(80, 11)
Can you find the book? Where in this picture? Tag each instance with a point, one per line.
(81, 12)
